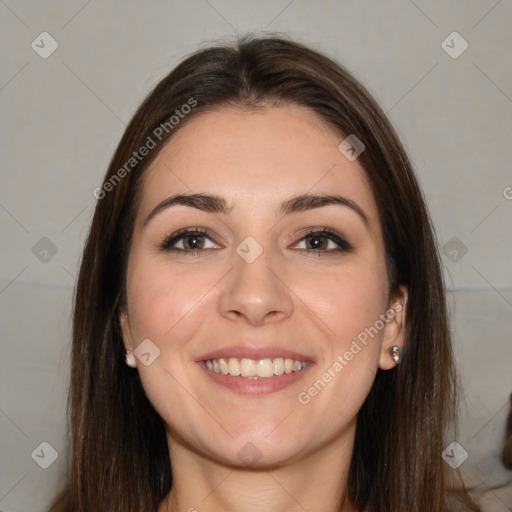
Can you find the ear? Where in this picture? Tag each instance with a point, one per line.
(394, 330)
(126, 331)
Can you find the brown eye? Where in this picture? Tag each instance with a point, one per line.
(324, 241)
(193, 241)
(188, 241)
(317, 242)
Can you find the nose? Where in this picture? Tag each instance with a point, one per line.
(256, 293)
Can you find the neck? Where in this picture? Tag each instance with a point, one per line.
(315, 483)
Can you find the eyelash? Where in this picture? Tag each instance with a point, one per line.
(343, 245)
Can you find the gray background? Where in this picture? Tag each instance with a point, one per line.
(63, 116)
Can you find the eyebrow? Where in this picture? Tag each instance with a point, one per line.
(217, 204)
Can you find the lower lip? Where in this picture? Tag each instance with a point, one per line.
(261, 386)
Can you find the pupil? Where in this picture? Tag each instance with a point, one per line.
(194, 241)
(316, 242)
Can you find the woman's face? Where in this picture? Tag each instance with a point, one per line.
(257, 288)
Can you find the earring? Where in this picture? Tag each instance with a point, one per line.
(396, 353)
(130, 359)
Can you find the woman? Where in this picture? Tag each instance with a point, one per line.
(260, 318)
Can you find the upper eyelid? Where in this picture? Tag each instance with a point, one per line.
(320, 231)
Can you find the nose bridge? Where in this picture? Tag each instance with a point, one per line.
(255, 290)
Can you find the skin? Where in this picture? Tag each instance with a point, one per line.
(188, 305)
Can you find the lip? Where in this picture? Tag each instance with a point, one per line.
(263, 386)
(255, 353)
(247, 386)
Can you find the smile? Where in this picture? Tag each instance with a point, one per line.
(255, 368)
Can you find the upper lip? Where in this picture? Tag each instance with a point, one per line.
(256, 353)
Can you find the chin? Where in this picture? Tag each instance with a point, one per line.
(258, 454)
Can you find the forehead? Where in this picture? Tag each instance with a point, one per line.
(256, 158)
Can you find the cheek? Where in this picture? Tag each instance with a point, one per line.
(345, 302)
(163, 301)
(346, 305)
(166, 305)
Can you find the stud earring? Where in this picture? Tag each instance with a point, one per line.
(396, 353)
(130, 359)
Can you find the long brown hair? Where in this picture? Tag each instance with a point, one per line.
(120, 459)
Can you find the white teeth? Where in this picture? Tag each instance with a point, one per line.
(265, 368)
(278, 366)
(254, 369)
(247, 367)
(224, 369)
(234, 366)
